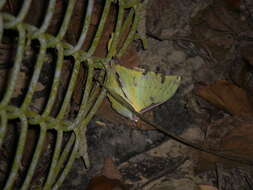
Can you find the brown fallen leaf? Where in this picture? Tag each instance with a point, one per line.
(109, 180)
(207, 187)
(239, 141)
(130, 59)
(234, 3)
(231, 135)
(241, 73)
(110, 170)
(104, 183)
(247, 53)
(228, 97)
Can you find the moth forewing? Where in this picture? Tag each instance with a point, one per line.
(141, 92)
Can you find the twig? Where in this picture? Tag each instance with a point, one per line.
(175, 137)
(159, 175)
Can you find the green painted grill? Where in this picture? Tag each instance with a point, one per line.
(64, 149)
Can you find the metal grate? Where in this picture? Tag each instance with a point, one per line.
(64, 150)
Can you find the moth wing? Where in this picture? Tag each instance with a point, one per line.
(146, 90)
(114, 86)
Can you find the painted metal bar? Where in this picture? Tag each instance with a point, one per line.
(95, 92)
(56, 81)
(95, 107)
(100, 28)
(35, 119)
(131, 34)
(48, 18)
(64, 154)
(83, 148)
(124, 28)
(66, 20)
(83, 107)
(84, 30)
(54, 161)
(35, 158)
(70, 90)
(36, 74)
(129, 3)
(2, 2)
(128, 21)
(21, 15)
(116, 35)
(3, 125)
(16, 68)
(19, 152)
(1, 27)
(67, 166)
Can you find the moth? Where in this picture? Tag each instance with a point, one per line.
(142, 90)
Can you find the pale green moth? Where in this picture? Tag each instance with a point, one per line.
(142, 91)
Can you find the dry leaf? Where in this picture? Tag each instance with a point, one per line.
(130, 59)
(232, 135)
(110, 179)
(110, 170)
(247, 53)
(234, 3)
(228, 97)
(207, 187)
(241, 74)
(104, 183)
(239, 141)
